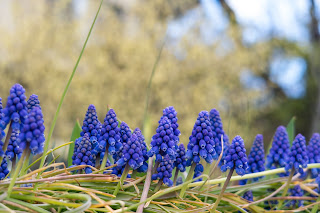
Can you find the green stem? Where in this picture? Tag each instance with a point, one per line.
(6, 142)
(175, 177)
(123, 176)
(222, 191)
(46, 145)
(16, 172)
(316, 207)
(207, 171)
(158, 186)
(25, 164)
(189, 177)
(134, 174)
(286, 188)
(104, 160)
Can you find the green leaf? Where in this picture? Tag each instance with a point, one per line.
(75, 134)
(291, 129)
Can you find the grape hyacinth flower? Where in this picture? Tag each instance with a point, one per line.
(296, 191)
(313, 151)
(164, 171)
(13, 149)
(82, 153)
(255, 158)
(141, 138)
(180, 162)
(279, 152)
(163, 143)
(201, 142)
(32, 132)
(171, 114)
(236, 157)
(32, 102)
(4, 169)
(91, 125)
(217, 130)
(298, 158)
(248, 195)
(198, 171)
(2, 133)
(16, 108)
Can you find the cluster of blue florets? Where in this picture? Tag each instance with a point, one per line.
(144, 149)
(201, 143)
(13, 149)
(248, 195)
(16, 108)
(218, 132)
(181, 161)
(110, 133)
(32, 132)
(296, 191)
(279, 152)
(91, 125)
(164, 171)
(236, 157)
(198, 171)
(313, 151)
(298, 158)
(82, 153)
(132, 153)
(32, 102)
(163, 142)
(4, 169)
(171, 114)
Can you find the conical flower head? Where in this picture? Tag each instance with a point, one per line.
(132, 153)
(181, 161)
(91, 125)
(16, 108)
(110, 133)
(82, 153)
(248, 195)
(218, 132)
(296, 191)
(32, 133)
(201, 143)
(298, 158)
(279, 152)
(236, 157)
(13, 149)
(141, 138)
(164, 171)
(171, 114)
(2, 126)
(4, 171)
(32, 102)
(163, 142)
(313, 151)
(198, 172)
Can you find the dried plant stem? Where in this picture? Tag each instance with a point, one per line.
(222, 191)
(146, 186)
(156, 165)
(6, 142)
(17, 171)
(189, 177)
(287, 187)
(123, 176)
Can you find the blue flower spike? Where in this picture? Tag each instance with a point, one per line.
(298, 158)
(313, 151)
(141, 138)
(248, 195)
(296, 191)
(164, 172)
(14, 150)
(279, 152)
(171, 114)
(217, 129)
(180, 163)
(4, 171)
(32, 132)
(32, 102)
(91, 125)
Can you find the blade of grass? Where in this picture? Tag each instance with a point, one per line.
(291, 129)
(75, 134)
(27, 205)
(46, 145)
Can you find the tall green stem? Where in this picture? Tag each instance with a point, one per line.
(134, 174)
(175, 177)
(287, 187)
(46, 145)
(6, 142)
(17, 170)
(222, 191)
(104, 160)
(158, 186)
(25, 163)
(189, 177)
(123, 176)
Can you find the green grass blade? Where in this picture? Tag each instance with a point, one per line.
(28, 205)
(75, 134)
(291, 129)
(46, 145)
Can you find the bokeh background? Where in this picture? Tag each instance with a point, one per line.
(256, 61)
